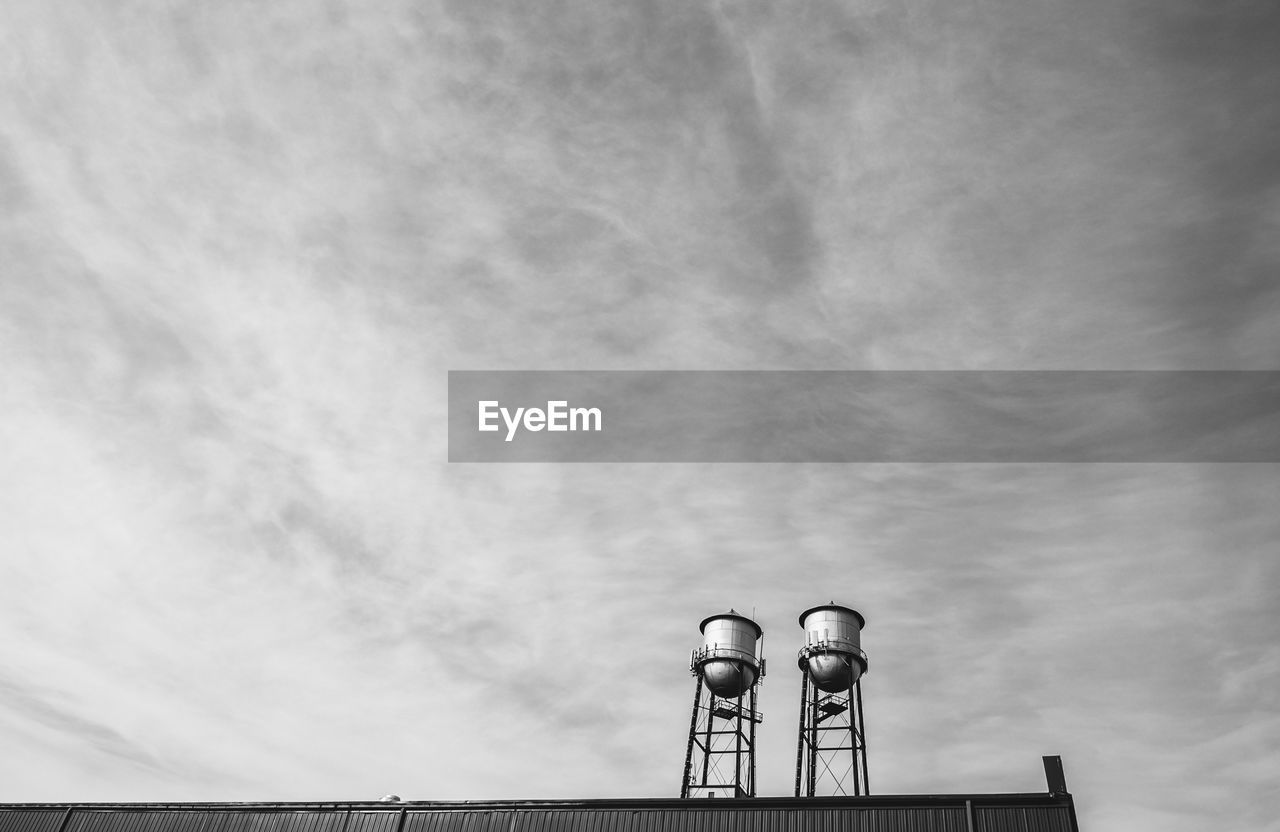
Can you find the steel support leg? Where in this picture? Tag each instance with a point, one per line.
(751, 747)
(862, 741)
(693, 734)
(800, 732)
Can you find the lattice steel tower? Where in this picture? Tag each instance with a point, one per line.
(831, 752)
(721, 757)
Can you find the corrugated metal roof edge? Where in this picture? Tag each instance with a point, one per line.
(637, 804)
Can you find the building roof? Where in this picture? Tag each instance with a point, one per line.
(877, 813)
(1051, 811)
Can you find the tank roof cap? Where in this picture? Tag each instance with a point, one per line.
(702, 628)
(862, 622)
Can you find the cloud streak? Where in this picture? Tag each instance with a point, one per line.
(241, 249)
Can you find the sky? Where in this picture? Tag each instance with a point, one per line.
(242, 245)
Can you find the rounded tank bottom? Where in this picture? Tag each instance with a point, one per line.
(727, 678)
(834, 672)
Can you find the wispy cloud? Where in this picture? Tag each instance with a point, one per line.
(241, 248)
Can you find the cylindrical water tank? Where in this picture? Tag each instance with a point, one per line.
(833, 646)
(727, 659)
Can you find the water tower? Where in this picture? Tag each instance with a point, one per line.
(721, 757)
(831, 752)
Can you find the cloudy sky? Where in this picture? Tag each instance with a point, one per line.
(242, 244)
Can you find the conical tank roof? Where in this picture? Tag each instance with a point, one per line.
(702, 628)
(862, 622)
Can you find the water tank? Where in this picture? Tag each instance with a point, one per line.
(833, 646)
(727, 659)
